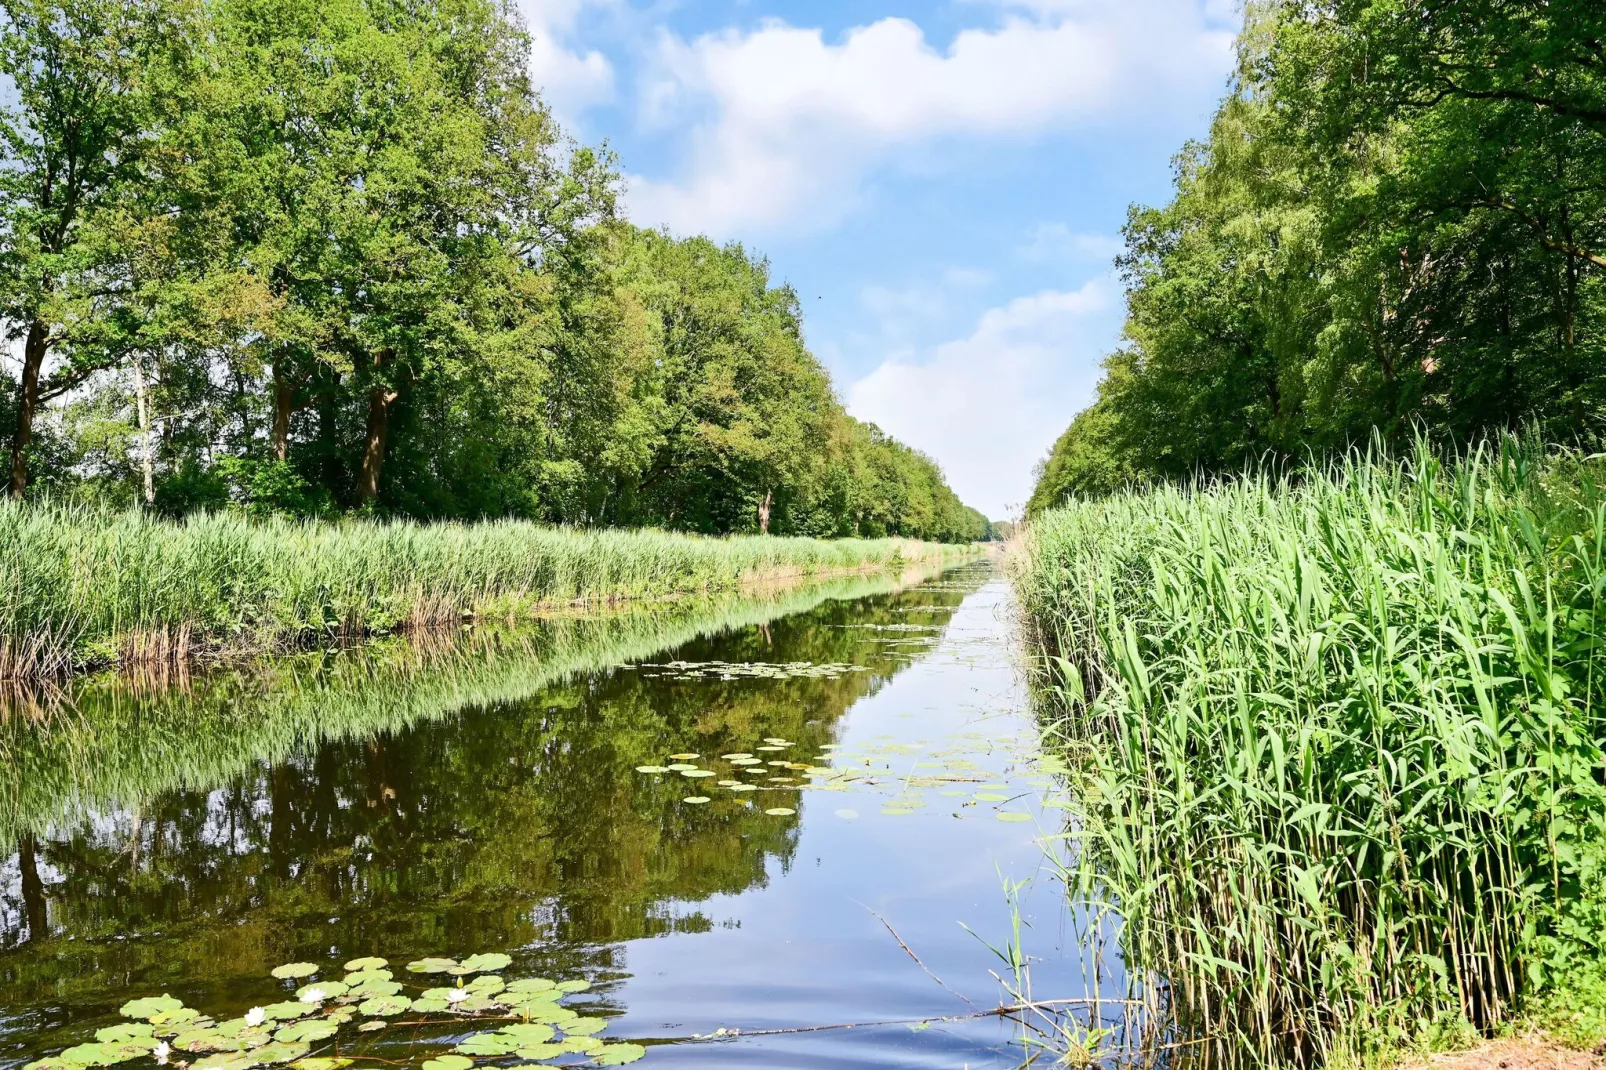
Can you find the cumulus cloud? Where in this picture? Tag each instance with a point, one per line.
(1055, 242)
(988, 406)
(570, 79)
(782, 125)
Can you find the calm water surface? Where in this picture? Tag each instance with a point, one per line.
(405, 802)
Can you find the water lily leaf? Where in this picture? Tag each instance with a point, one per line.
(679, 767)
(847, 814)
(477, 1004)
(448, 1062)
(284, 1012)
(778, 741)
(55, 1062)
(487, 963)
(144, 1008)
(744, 787)
(292, 970)
(694, 773)
(1013, 816)
(780, 811)
(432, 965)
(577, 985)
(770, 749)
(489, 1044)
(696, 800)
(540, 1010)
(204, 1040)
(310, 1031)
(529, 1033)
(322, 1063)
(688, 757)
(372, 973)
(362, 965)
(170, 1020)
(425, 1005)
(330, 989)
(371, 989)
(990, 796)
(114, 1034)
(487, 984)
(581, 1045)
(652, 769)
(584, 1027)
(537, 1052)
(384, 1006)
(736, 756)
(618, 1054)
(896, 811)
(532, 984)
(371, 1027)
(237, 1060)
(273, 1054)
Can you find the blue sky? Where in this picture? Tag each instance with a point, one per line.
(943, 182)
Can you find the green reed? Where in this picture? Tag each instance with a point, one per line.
(82, 587)
(1338, 742)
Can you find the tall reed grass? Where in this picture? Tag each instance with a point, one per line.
(80, 587)
(1338, 742)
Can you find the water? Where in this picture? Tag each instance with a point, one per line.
(188, 836)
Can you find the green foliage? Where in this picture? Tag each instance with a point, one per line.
(1337, 741)
(320, 256)
(94, 585)
(1398, 220)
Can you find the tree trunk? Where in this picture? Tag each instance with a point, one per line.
(284, 393)
(764, 512)
(380, 397)
(33, 358)
(147, 436)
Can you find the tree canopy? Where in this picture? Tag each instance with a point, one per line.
(1396, 224)
(307, 257)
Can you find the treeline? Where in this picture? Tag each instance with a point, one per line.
(1397, 223)
(309, 256)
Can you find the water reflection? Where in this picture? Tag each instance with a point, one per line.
(410, 800)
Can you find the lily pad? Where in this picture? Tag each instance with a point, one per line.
(488, 963)
(694, 773)
(736, 756)
(324, 989)
(537, 1052)
(291, 970)
(687, 757)
(384, 1006)
(273, 1054)
(237, 1060)
(532, 984)
(581, 1045)
(204, 1040)
(990, 796)
(116, 1034)
(288, 1010)
(848, 815)
(618, 1054)
(896, 811)
(577, 985)
(696, 800)
(541, 1010)
(150, 1005)
(652, 769)
(584, 1027)
(744, 787)
(432, 965)
(322, 1064)
(373, 989)
(369, 962)
(425, 1005)
(477, 1004)
(362, 977)
(310, 1031)
(488, 1044)
(169, 1021)
(529, 1033)
(780, 811)
(1013, 816)
(448, 1062)
(487, 984)
(371, 1027)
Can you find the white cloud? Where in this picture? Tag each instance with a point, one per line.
(569, 80)
(782, 126)
(988, 406)
(1055, 242)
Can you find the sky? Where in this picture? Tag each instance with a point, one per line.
(942, 182)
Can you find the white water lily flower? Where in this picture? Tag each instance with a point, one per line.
(161, 1052)
(313, 995)
(255, 1017)
(456, 995)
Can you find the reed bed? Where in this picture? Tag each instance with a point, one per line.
(1338, 743)
(81, 587)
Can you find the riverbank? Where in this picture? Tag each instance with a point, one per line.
(82, 589)
(1336, 742)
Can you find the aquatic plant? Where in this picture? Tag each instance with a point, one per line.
(81, 587)
(306, 1032)
(1336, 742)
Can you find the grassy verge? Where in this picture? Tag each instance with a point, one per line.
(1338, 744)
(81, 588)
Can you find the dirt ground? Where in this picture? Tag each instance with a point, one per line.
(1519, 1053)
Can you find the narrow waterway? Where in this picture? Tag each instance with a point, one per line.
(883, 791)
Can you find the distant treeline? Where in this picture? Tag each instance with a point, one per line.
(306, 256)
(1398, 221)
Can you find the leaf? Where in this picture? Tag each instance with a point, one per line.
(384, 1006)
(310, 1031)
(371, 989)
(529, 1033)
(581, 1045)
(329, 1063)
(780, 811)
(487, 984)
(488, 1044)
(848, 815)
(618, 1054)
(488, 963)
(989, 796)
(362, 965)
(574, 986)
(531, 984)
(273, 1054)
(430, 1005)
(1013, 816)
(696, 800)
(584, 1027)
(371, 1027)
(432, 965)
(448, 1062)
(114, 1034)
(288, 1010)
(684, 757)
(695, 773)
(150, 1005)
(292, 970)
(652, 769)
(330, 989)
(538, 1052)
